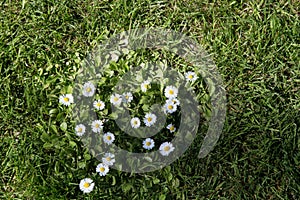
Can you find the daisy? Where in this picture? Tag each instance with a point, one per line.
(99, 105)
(66, 99)
(88, 89)
(86, 185)
(108, 159)
(108, 138)
(175, 101)
(97, 125)
(149, 119)
(148, 143)
(80, 130)
(102, 169)
(191, 76)
(135, 122)
(170, 107)
(171, 92)
(166, 148)
(127, 97)
(116, 99)
(171, 127)
(145, 86)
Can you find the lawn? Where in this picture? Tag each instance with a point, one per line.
(255, 45)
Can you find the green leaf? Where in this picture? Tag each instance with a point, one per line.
(126, 187)
(47, 145)
(87, 156)
(53, 128)
(45, 137)
(63, 126)
(162, 197)
(156, 180)
(72, 144)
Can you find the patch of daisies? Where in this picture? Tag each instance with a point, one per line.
(170, 106)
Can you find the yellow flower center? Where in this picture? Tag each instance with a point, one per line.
(97, 125)
(148, 143)
(171, 92)
(86, 185)
(166, 148)
(88, 89)
(190, 76)
(170, 107)
(116, 99)
(172, 128)
(99, 104)
(108, 137)
(135, 122)
(127, 97)
(102, 169)
(66, 99)
(108, 158)
(79, 129)
(149, 119)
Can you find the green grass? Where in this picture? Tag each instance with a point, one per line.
(256, 46)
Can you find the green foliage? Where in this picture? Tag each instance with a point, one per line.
(255, 45)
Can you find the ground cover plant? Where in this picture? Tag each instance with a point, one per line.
(255, 45)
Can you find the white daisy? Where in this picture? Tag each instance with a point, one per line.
(97, 125)
(191, 76)
(102, 169)
(66, 99)
(86, 185)
(108, 159)
(127, 97)
(171, 92)
(116, 99)
(99, 105)
(88, 89)
(175, 101)
(166, 148)
(171, 127)
(145, 86)
(148, 143)
(149, 119)
(135, 122)
(109, 138)
(170, 107)
(80, 130)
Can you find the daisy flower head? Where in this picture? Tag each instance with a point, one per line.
(148, 143)
(108, 159)
(170, 107)
(175, 101)
(97, 125)
(171, 91)
(135, 122)
(171, 127)
(127, 97)
(86, 185)
(66, 99)
(145, 86)
(99, 105)
(149, 119)
(80, 130)
(109, 138)
(88, 89)
(102, 169)
(166, 148)
(116, 99)
(191, 76)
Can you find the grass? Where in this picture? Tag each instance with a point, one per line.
(255, 45)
